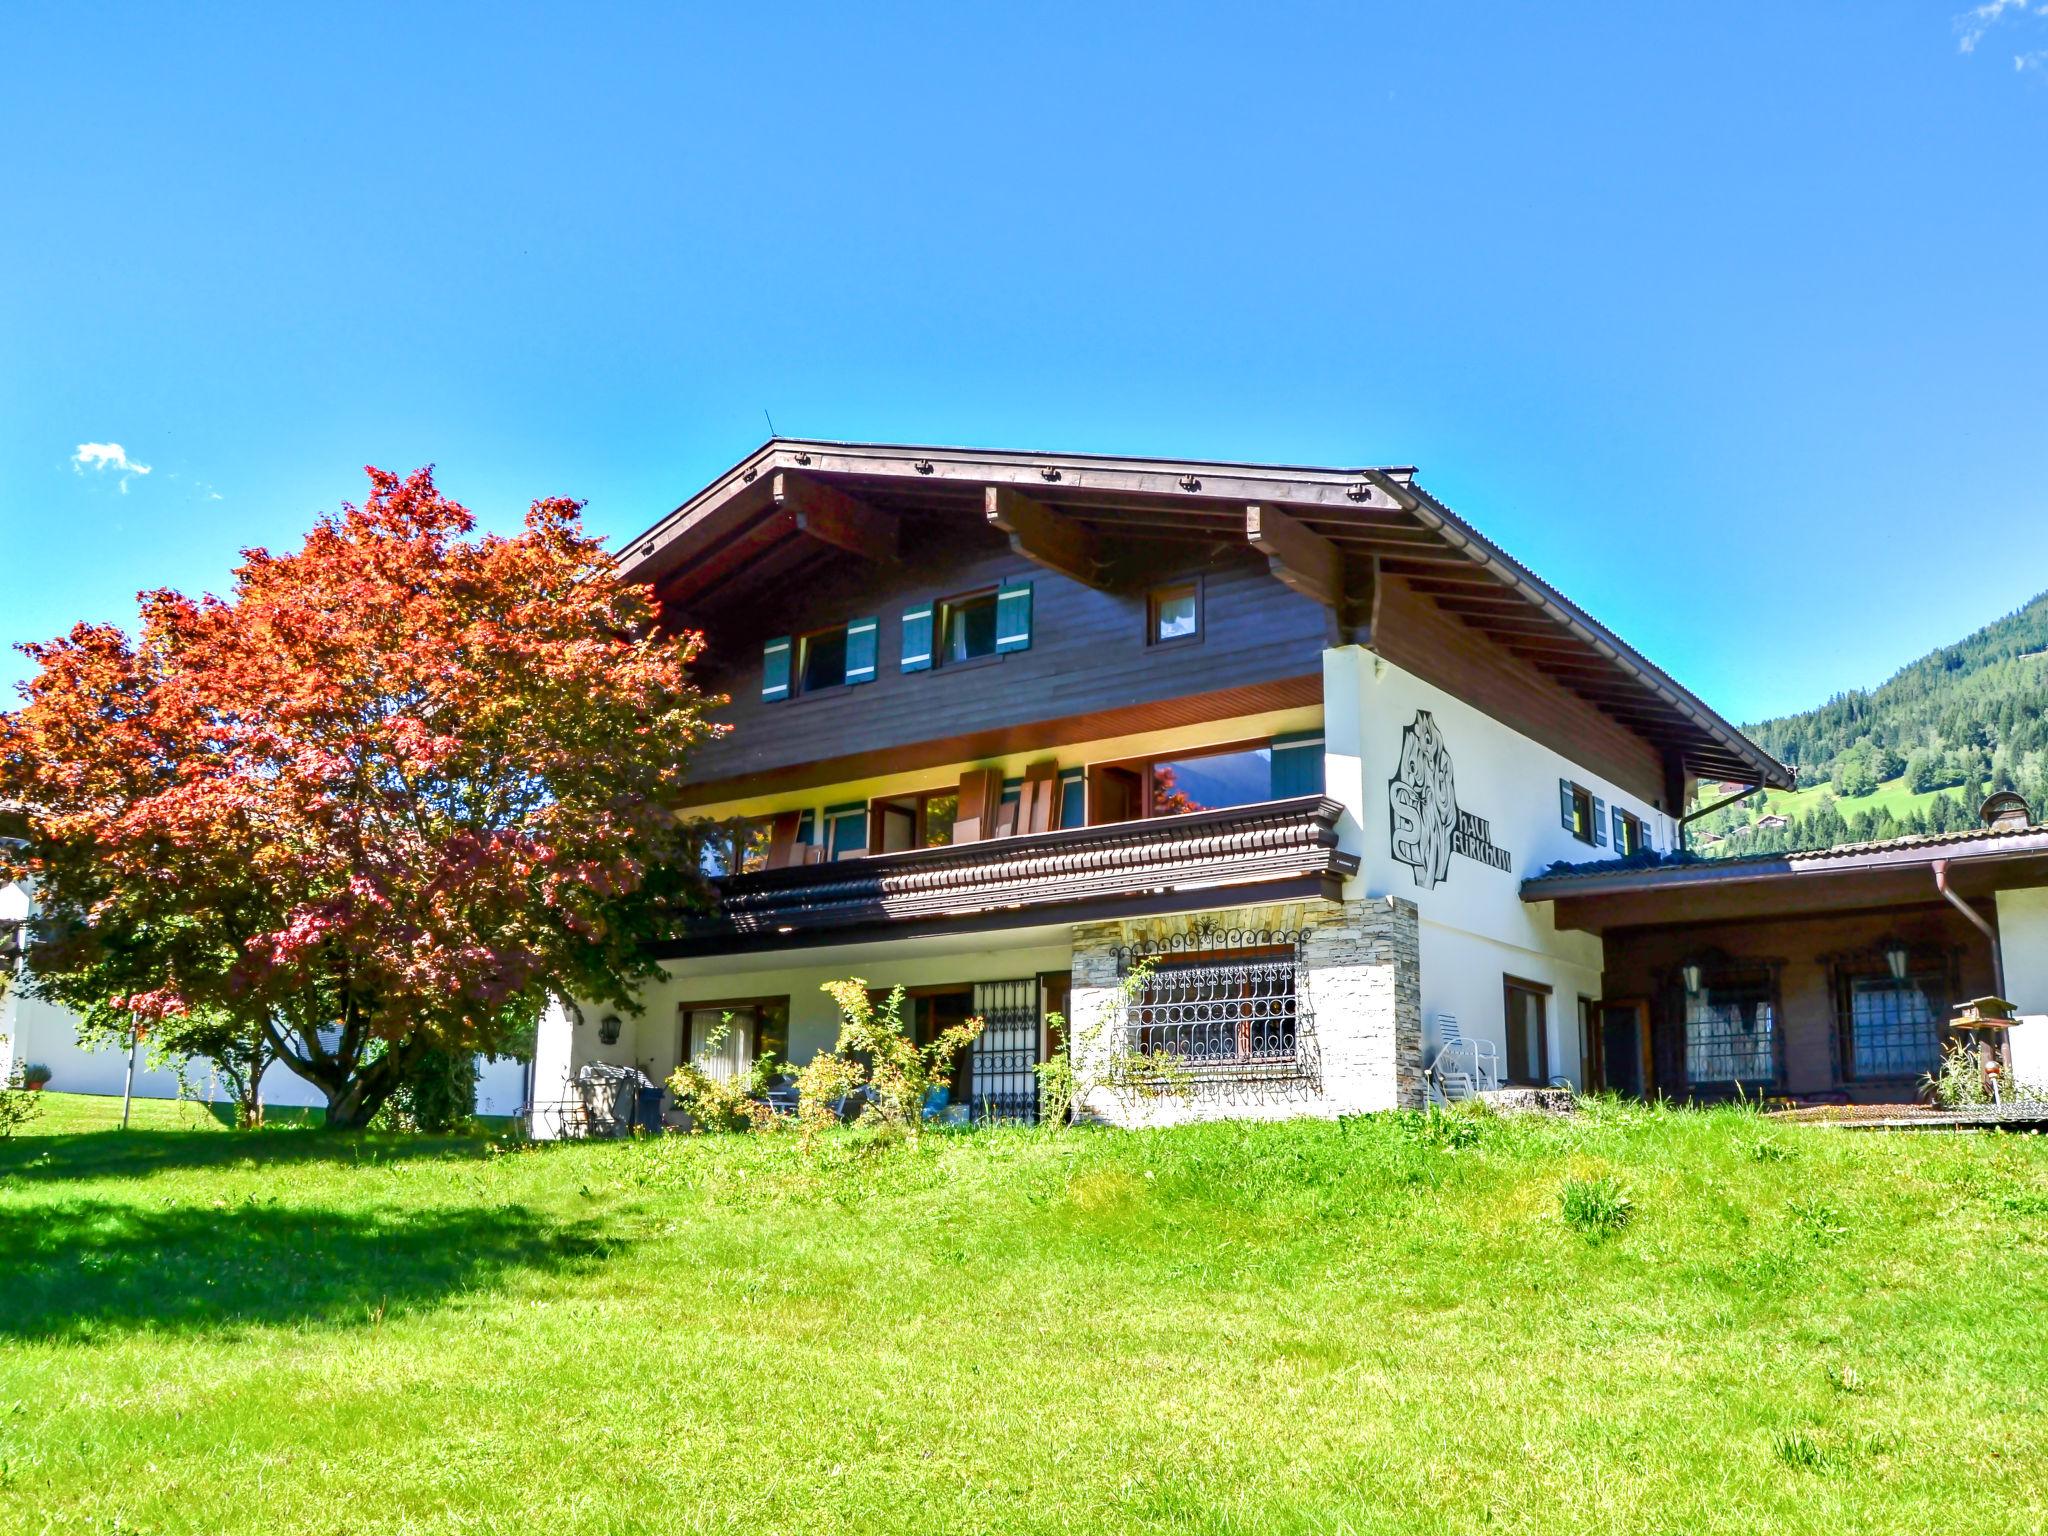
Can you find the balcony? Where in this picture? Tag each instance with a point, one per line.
(1277, 851)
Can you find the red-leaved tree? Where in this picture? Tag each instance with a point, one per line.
(389, 796)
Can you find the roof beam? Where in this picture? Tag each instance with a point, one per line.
(828, 514)
(1049, 538)
(1306, 562)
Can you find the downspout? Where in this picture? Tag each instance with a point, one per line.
(1976, 920)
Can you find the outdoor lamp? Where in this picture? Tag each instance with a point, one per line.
(608, 1029)
(1896, 959)
(1689, 973)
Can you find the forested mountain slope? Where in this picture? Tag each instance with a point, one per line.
(1917, 754)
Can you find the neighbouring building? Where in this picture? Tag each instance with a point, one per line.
(1297, 749)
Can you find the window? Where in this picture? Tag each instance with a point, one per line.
(846, 832)
(903, 822)
(938, 813)
(934, 1011)
(823, 660)
(969, 625)
(1528, 1010)
(735, 848)
(727, 1038)
(1581, 812)
(1173, 612)
(1630, 834)
(1210, 782)
(1892, 1029)
(1223, 1009)
(1731, 1031)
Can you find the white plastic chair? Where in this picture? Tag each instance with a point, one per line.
(1461, 1068)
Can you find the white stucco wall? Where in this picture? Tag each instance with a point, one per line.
(2023, 946)
(34, 1030)
(652, 1039)
(1476, 929)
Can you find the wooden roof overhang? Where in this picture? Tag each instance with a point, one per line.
(1865, 877)
(793, 507)
(1281, 850)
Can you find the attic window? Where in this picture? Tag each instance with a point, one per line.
(824, 659)
(1173, 612)
(970, 627)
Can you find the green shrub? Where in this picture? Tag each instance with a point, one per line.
(878, 1057)
(1595, 1208)
(1959, 1083)
(437, 1096)
(17, 1105)
(725, 1105)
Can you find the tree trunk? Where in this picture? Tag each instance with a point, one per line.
(353, 1102)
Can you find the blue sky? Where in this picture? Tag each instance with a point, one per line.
(1730, 319)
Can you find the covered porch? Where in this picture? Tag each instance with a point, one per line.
(1828, 977)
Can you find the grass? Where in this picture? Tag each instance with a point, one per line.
(1363, 1326)
(1892, 795)
(69, 1114)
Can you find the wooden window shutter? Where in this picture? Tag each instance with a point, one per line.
(775, 669)
(1620, 828)
(981, 791)
(1599, 822)
(1073, 801)
(917, 639)
(1013, 618)
(1567, 806)
(860, 651)
(782, 838)
(1297, 765)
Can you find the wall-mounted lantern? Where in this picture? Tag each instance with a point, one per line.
(608, 1029)
(1691, 975)
(1897, 958)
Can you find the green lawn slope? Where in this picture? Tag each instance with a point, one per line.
(1379, 1325)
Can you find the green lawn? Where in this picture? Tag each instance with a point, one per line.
(1313, 1327)
(1892, 795)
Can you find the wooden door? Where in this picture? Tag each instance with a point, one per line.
(1623, 1042)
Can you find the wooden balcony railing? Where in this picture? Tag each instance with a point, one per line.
(1278, 850)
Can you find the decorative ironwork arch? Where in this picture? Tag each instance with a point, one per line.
(1226, 1008)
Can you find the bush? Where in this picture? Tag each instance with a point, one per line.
(1595, 1208)
(17, 1105)
(722, 1106)
(1960, 1082)
(881, 1061)
(437, 1097)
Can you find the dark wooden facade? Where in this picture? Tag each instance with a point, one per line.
(803, 535)
(1088, 667)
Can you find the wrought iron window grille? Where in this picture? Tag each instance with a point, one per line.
(1228, 1008)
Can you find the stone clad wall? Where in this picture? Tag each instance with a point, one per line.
(1362, 1042)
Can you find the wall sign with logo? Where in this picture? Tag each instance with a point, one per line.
(1422, 805)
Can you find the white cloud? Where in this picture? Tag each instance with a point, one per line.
(2038, 59)
(105, 457)
(1979, 19)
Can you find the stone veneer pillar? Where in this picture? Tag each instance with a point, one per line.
(1361, 966)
